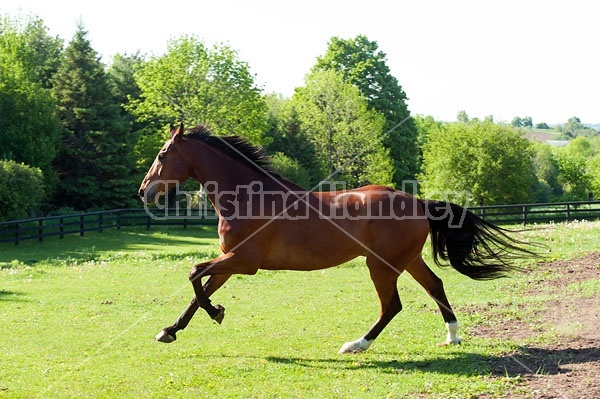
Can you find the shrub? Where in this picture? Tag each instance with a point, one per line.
(21, 189)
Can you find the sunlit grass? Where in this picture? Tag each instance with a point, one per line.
(79, 317)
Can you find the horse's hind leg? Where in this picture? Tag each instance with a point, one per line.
(435, 288)
(168, 334)
(384, 278)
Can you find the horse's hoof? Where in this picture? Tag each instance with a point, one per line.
(357, 346)
(220, 315)
(448, 343)
(164, 337)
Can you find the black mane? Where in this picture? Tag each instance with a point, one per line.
(235, 147)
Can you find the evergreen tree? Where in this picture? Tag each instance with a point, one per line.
(361, 64)
(285, 136)
(95, 161)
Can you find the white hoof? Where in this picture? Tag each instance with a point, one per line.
(357, 346)
(452, 336)
(164, 337)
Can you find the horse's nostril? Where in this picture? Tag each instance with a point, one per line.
(141, 193)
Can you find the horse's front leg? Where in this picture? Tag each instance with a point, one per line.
(168, 334)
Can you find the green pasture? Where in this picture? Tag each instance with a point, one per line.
(79, 316)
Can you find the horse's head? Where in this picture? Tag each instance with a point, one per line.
(168, 169)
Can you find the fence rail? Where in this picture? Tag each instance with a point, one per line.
(40, 228)
(539, 213)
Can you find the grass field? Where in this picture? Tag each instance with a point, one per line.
(79, 316)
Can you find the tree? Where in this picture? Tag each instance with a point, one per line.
(574, 128)
(516, 122)
(285, 135)
(197, 84)
(593, 170)
(346, 135)
(29, 123)
(36, 51)
(462, 117)
(527, 122)
(95, 162)
(291, 170)
(572, 175)
(360, 63)
(478, 162)
(546, 171)
(542, 125)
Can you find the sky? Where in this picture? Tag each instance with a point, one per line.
(502, 58)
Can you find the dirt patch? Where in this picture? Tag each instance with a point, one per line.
(562, 273)
(570, 366)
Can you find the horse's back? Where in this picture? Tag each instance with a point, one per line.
(339, 226)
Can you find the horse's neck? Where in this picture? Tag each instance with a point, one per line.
(220, 174)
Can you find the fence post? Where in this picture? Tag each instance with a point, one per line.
(524, 216)
(119, 220)
(40, 230)
(148, 223)
(100, 221)
(16, 233)
(61, 227)
(81, 225)
(568, 212)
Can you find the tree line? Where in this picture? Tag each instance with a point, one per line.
(79, 135)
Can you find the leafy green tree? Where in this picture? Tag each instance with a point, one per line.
(573, 176)
(527, 122)
(574, 128)
(593, 170)
(580, 146)
(542, 125)
(29, 44)
(360, 63)
(29, 123)
(95, 162)
(424, 125)
(478, 162)
(197, 84)
(516, 122)
(291, 169)
(21, 190)
(346, 135)
(547, 172)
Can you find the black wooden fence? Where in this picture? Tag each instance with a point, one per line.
(40, 228)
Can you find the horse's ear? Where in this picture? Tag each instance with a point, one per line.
(177, 133)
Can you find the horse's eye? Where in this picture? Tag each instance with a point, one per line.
(161, 156)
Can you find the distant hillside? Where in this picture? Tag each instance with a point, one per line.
(595, 126)
(541, 135)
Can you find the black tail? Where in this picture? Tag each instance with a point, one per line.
(474, 247)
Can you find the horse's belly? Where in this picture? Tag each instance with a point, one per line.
(311, 249)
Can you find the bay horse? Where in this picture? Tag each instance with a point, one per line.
(267, 222)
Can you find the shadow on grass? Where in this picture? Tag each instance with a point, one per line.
(530, 360)
(466, 364)
(527, 361)
(92, 245)
(12, 296)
